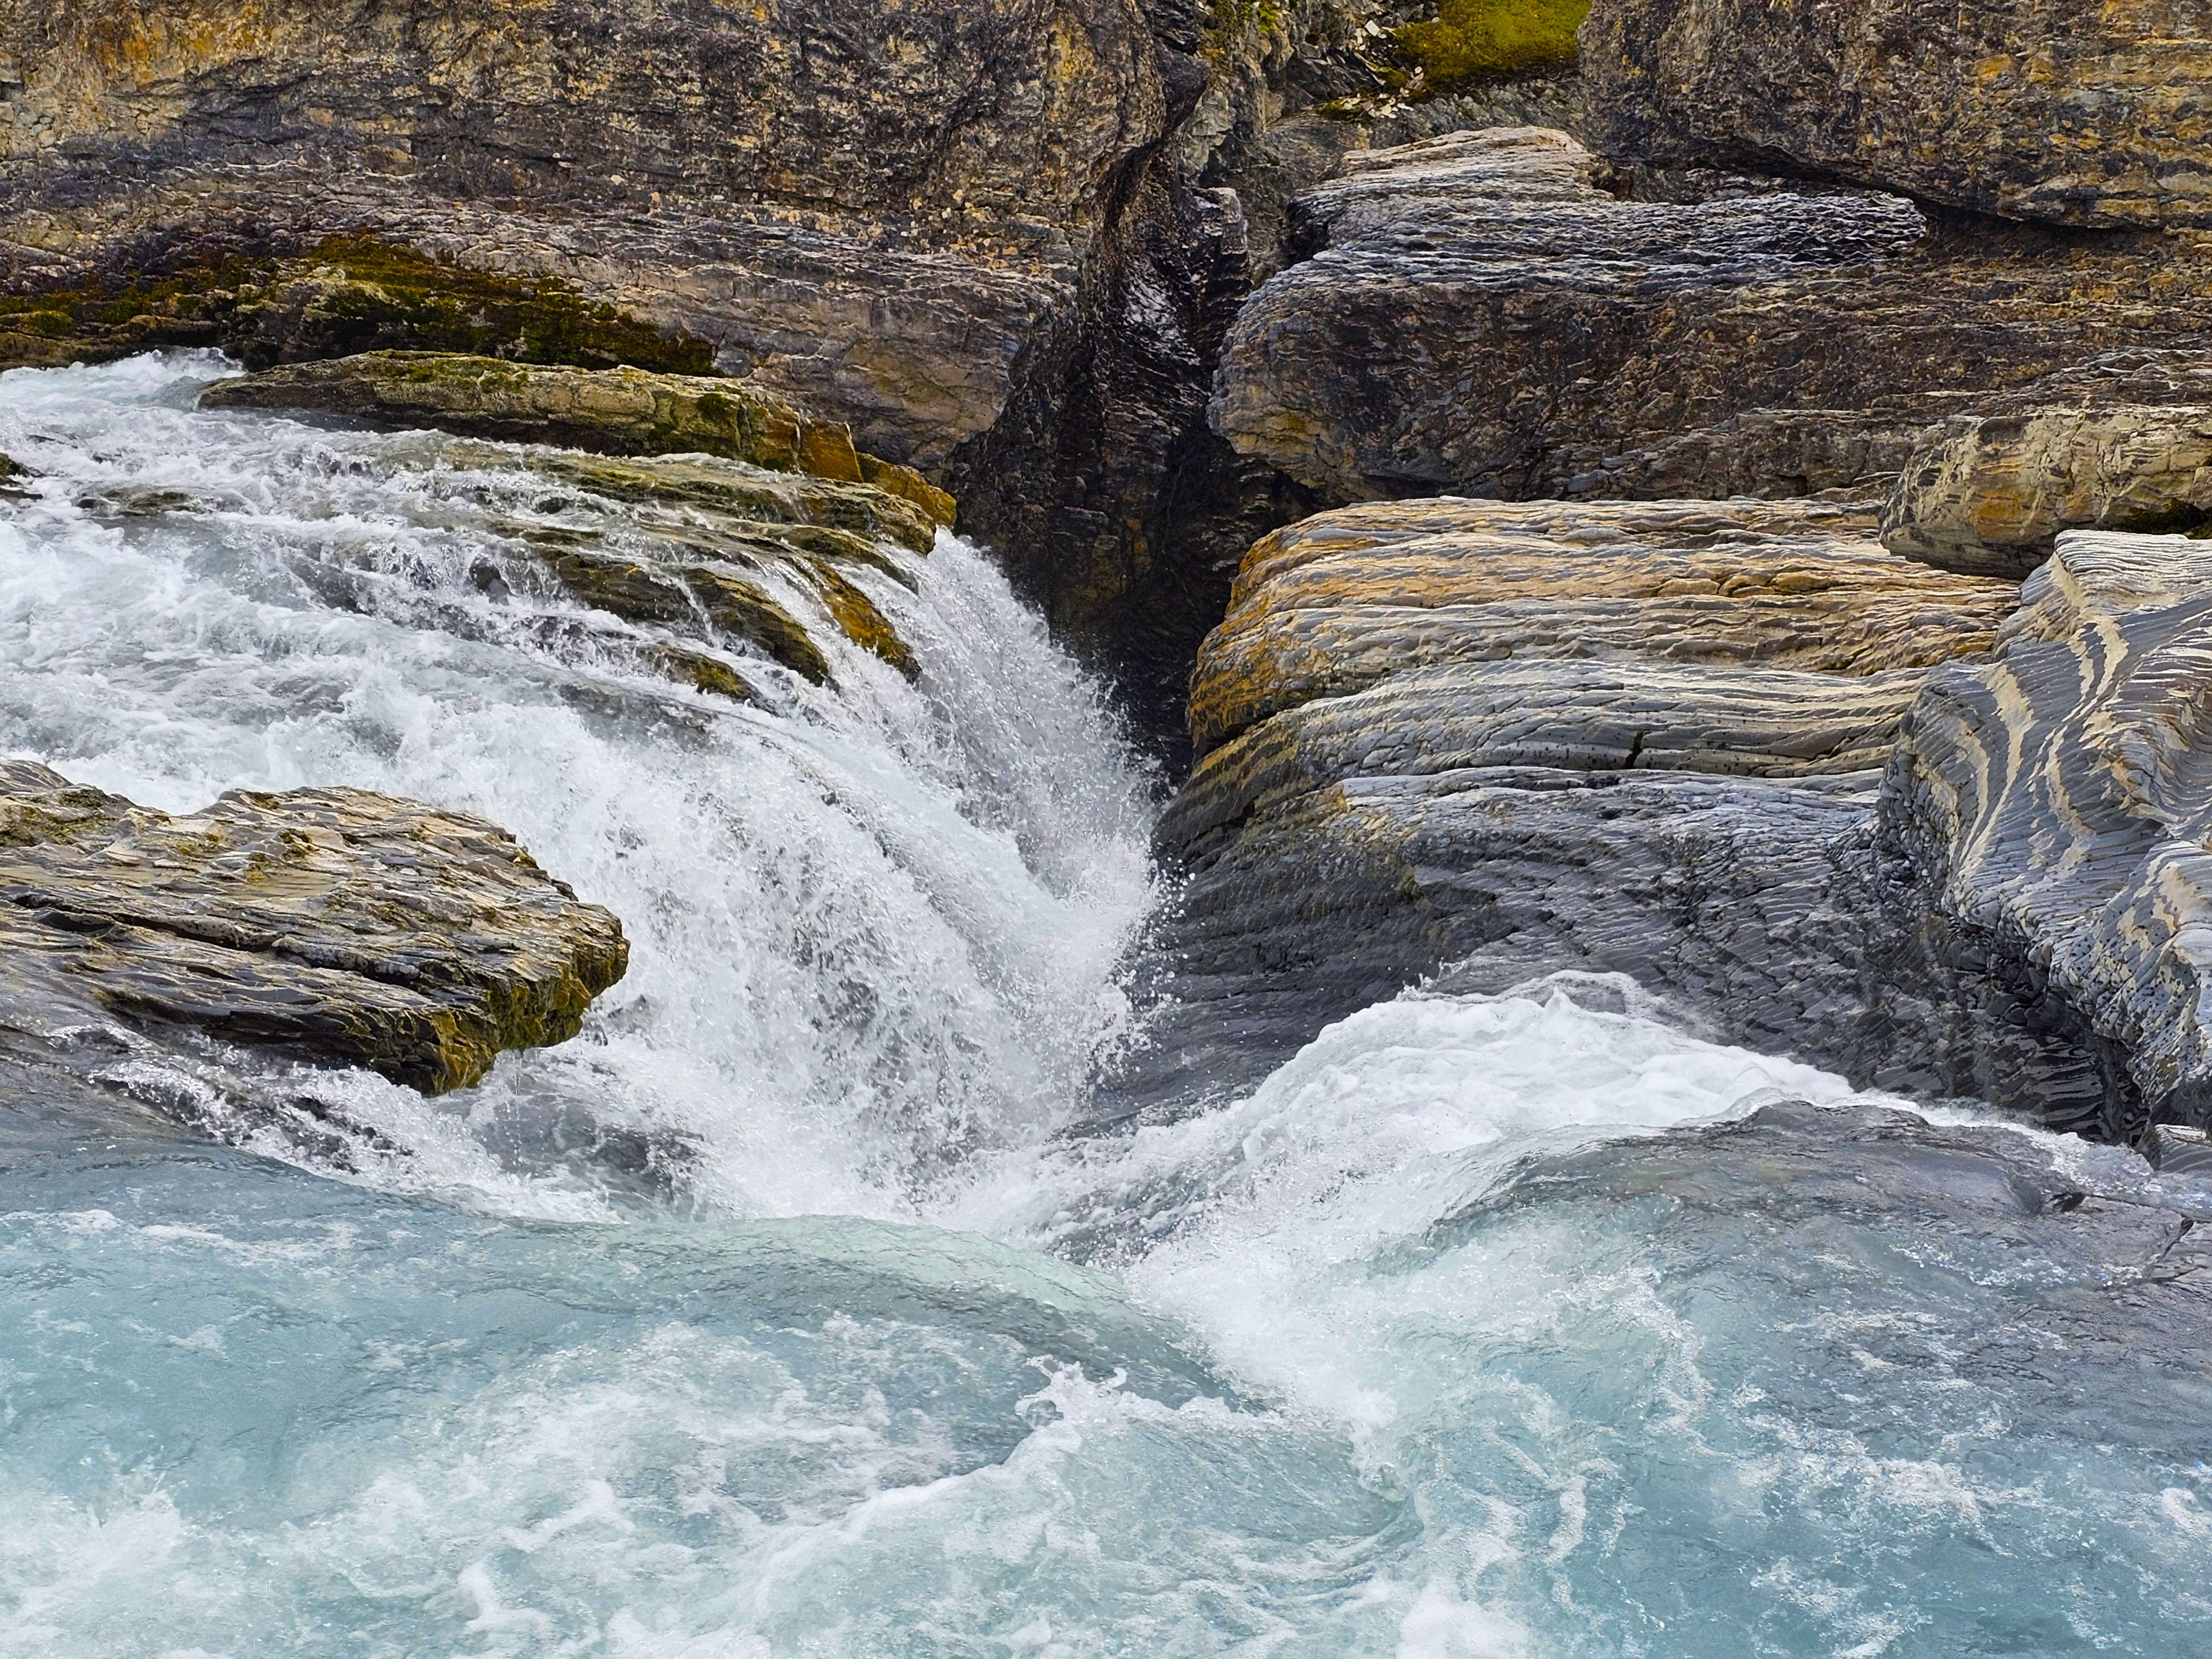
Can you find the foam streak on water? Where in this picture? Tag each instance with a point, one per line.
(865, 1355)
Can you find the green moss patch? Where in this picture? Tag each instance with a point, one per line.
(1470, 41)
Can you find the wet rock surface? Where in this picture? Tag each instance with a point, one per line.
(2035, 109)
(1976, 876)
(1479, 316)
(331, 924)
(1461, 782)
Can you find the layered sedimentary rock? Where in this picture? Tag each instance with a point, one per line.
(2054, 807)
(960, 230)
(2039, 109)
(1334, 605)
(1525, 738)
(623, 412)
(2121, 442)
(332, 924)
(1479, 316)
(1936, 868)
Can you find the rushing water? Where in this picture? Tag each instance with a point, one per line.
(787, 1312)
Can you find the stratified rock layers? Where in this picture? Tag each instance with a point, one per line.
(334, 924)
(1744, 755)
(1480, 316)
(2037, 109)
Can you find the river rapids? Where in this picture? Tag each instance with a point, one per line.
(793, 1309)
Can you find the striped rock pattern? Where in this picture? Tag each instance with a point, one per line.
(1549, 775)
(1987, 878)
(1991, 494)
(1336, 604)
(2056, 807)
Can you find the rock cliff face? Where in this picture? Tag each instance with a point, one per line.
(2037, 109)
(333, 924)
(1478, 315)
(957, 230)
(1734, 749)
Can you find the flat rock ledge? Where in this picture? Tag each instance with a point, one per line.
(334, 924)
(1813, 800)
(2124, 442)
(619, 411)
(1497, 314)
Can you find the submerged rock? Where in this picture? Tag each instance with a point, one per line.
(2035, 109)
(1480, 315)
(333, 924)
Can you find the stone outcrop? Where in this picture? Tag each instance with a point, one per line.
(2054, 808)
(1658, 784)
(2122, 443)
(2035, 109)
(1478, 315)
(1812, 796)
(997, 241)
(331, 924)
(622, 411)
(1334, 605)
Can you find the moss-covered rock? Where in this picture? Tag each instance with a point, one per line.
(620, 412)
(344, 296)
(1470, 41)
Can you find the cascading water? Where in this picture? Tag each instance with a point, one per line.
(786, 1311)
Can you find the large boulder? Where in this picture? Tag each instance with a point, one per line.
(2039, 109)
(1492, 314)
(331, 924)
(2053, 807)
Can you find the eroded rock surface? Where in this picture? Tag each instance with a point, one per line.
(2056, 807)
(333, 924)
(1641, 771)
(2122, 442)
(2039, 109)
(1982, 875)
(1334, 605)
(1479, 316)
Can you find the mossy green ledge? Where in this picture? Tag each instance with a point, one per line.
(615, 412)
(332, 925)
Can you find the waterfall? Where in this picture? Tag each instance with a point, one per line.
(790, 1309)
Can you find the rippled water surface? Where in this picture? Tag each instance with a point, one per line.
(788, 1311)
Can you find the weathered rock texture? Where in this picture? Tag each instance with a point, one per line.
(331, 923)
(962, 231)
(2083, 114)
(1983, 877)
(2122, 443)
(622, 412)
(2056, 807)
(1337, 604)
(1479, 316)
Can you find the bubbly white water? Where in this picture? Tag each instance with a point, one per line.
(880, 1362)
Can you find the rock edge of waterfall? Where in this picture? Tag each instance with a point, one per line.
(1607, 494)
